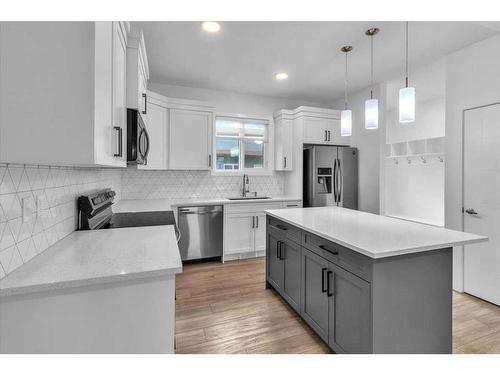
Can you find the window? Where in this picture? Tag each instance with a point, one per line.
(240, 144)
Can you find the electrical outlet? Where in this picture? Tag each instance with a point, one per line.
(42, 209)
(26, 209)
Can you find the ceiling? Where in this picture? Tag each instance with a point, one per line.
(244, 56)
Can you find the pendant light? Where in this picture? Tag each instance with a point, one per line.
(406, 94)
(346, 114)
(371, 105)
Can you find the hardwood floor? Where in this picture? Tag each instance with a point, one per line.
(224, 308)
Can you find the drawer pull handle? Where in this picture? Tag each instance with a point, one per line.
(323, 287)
(323, 247)
(281, 227)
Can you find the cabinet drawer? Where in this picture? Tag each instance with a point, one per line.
(351, 261)
(286, 230)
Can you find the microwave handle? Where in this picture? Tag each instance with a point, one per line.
(146, 153)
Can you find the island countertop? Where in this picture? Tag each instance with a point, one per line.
(373, 235)
(98, 256)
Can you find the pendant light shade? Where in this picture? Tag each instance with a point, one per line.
(407, 94)
(346, 123)
(407, 104)
(371, 105)
(346, 114)
(371, 114)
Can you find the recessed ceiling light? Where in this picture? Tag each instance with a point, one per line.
(210, 26)
(281, 76)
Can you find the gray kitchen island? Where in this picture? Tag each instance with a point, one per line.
(365, 283)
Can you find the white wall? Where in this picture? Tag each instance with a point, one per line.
(368, 144)
(230, 102)
(472, 79)
(415, 191)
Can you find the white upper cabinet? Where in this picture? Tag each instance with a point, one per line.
(62, 93)
(190, 139)
(283, 125)
(137, 72)
(319, 125)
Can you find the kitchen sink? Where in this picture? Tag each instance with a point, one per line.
(246, 198)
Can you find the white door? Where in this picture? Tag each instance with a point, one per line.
(190, 136)
(482, 201)
(238, 233)
(156, 125)
(119, 94)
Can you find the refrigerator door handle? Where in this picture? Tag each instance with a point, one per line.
(339, 171)
(335, 180)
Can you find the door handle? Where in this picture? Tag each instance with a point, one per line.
(281, 250)
(284, 162)
(257, 221)
(323, 287)
(335, 180)
(253, 221)
(326, 135)
(145, 96)
(339, 171)
(210, 160)
(329, 293)
(280, 227)
(471, 211)
(278, 249)
(329, 136)
(120, 141)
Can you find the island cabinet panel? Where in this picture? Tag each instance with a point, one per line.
(348, 312)
(314, 309)
(274, 264)
(291, 255)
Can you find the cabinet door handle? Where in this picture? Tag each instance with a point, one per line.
(145, 96)
(281, 250)
(329, 136)
(323, 287)
(278, 249)
(257, 221)
(120, 141)
(284, 162)
(326, 135)
(210, 160)
(253, 221)
(329, 293)
(323, 247)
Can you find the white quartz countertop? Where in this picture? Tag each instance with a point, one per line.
(99, 256)
(138, 205)
(373, 235)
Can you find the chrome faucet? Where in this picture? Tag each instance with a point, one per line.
(245, 189)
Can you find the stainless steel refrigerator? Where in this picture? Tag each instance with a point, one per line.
(330, 176)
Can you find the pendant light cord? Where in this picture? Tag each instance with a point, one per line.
(406, 52)
(371, 65)
(345, 82)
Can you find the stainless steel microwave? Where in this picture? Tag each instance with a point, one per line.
(137, 138)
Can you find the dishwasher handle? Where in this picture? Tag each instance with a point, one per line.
(203, 210)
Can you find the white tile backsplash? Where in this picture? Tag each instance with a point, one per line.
(58, 188)
(183, 185)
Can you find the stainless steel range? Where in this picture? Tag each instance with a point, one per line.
(95, 212)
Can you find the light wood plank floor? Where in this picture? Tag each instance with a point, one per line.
(225, 308)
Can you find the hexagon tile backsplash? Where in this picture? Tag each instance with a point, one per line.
(183, 185)
(59, 187)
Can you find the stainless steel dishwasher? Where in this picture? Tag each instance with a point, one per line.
(201, 232)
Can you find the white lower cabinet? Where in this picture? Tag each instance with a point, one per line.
(245, 229)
